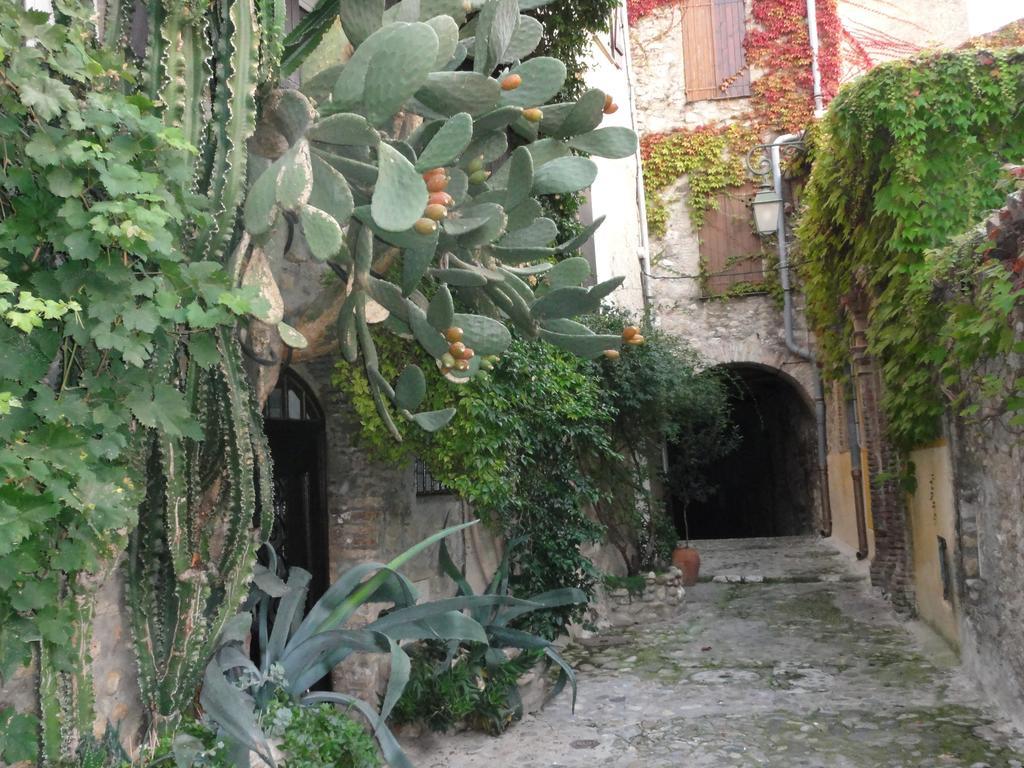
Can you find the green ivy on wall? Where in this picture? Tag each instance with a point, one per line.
(712, 157)
(908, 158)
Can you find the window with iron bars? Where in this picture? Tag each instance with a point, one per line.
(426, 484)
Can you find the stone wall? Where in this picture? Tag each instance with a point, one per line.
(746, 329)
(663, 595)
(989, 480)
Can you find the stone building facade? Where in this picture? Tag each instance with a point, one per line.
(952, 551)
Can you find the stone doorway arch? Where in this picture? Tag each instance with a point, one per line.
(768, 485)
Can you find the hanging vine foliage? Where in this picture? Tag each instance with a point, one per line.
(906, 159)
(712, 157)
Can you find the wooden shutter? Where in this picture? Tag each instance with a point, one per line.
(713, 59)
(731, 71)
(729, 247)
(699, 49)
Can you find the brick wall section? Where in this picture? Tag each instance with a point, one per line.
(890, 568)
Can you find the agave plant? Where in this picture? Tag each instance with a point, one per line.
(295, 651)
(496, 618)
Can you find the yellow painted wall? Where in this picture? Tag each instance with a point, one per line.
(840, 486)
(932, 514)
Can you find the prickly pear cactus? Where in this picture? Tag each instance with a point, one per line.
(451, 203)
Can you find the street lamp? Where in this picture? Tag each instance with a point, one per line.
(767, 205)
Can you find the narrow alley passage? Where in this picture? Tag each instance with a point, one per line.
(786, 659)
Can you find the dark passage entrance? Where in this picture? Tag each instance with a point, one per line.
(294, 424)
(767, 485)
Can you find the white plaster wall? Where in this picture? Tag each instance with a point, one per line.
(615, 194)
(889, 30)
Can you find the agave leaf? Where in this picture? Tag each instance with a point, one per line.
(567, 674)
(416, 613)
(307, 662)
(234, 710)
(359, 596)
(398, 677)
(448, 567)
(288, 611)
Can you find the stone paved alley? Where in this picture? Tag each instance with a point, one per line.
(806, 668)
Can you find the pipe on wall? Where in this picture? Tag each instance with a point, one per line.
(812, 34)
(857, 475)
(775, 156)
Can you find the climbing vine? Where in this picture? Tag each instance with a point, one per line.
(906, 160)
(711, 156)
(779, 46)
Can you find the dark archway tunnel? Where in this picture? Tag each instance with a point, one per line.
(767, 485)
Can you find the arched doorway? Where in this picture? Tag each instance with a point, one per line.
(767, 485)
(294, 424)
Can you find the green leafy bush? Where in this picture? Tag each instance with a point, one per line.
(660, 391)
(537, 403)
(325, 737)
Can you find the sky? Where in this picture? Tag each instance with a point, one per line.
(986, 15)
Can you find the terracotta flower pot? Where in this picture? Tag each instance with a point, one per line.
(687, 560)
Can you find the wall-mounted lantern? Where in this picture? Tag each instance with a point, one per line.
(767, 205)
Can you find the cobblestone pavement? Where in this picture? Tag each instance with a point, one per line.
(786, 659)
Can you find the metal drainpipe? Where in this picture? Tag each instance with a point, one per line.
(853, 431)
(791, 345)
(812, 34)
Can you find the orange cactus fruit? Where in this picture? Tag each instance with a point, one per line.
(425, 226)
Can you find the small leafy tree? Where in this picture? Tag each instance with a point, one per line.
(661, 392)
